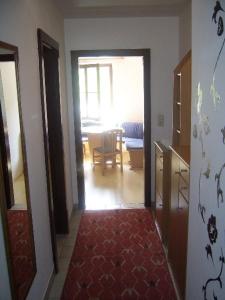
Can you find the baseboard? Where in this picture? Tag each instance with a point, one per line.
(49, 286)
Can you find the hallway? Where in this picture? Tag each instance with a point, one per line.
(118, 255)
(33, 33)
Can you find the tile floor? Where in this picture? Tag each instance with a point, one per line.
(65, 245)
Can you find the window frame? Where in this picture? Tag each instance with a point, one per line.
(97, 66)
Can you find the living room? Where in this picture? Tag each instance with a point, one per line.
(112, 97)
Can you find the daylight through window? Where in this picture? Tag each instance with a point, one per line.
(95, 82)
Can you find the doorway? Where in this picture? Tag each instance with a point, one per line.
(53, 137)
(145, 55)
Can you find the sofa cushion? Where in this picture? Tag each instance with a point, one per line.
(133, 130)
(133, 144)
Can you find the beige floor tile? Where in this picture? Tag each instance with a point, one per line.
(59, 249)
(70, 241)
(63, 264)
(74, 224)
(72, 234)
(57, 286)
(60, 242)
(66, 252)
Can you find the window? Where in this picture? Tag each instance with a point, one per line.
(95, 82)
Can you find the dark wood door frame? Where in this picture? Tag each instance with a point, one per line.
(45, 43)
(145, 53)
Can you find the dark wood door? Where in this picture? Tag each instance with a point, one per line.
(55, 139)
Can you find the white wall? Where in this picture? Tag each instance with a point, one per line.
(185, 28)
(208, 111)
(128, 89)
(19, 21)
(159, 34)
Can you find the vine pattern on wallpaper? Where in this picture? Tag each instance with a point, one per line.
(218, 185)
(200, 132)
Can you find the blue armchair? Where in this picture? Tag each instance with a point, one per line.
(133, 137)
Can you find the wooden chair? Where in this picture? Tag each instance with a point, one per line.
(111, 147)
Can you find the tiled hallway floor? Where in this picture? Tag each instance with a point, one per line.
(65, 245)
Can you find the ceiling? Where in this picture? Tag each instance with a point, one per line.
(119, 8)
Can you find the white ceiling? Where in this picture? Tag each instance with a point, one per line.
(119, 8)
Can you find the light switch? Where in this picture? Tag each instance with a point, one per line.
(160, 120)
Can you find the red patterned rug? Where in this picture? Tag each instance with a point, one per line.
(118, 255)
(23, 267)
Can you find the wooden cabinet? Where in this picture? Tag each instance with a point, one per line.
(182, 102)
(172, 177)
(180, 159)
(162, 189)
(178, 217)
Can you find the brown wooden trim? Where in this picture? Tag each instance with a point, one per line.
(77, 131)
(147, 126)
(10, 47)
(112, 52)
(145, 53)
(7, 57)
(47, 40)
(182, 62)
(3, 207)
(43, 39)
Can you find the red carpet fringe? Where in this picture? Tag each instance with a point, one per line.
(118, 255)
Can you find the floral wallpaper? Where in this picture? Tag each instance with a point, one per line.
(206, 243)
